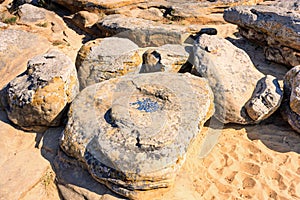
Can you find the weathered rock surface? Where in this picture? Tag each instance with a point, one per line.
(142, 32)
(292, 97)
(102, 59)
(16, 48)
(231, 75)
(39, 96)
(167, 58)
(265, 99)
(274, 27)
(135, 137)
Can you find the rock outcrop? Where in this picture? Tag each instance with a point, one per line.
(39, 96)
(133, 132)
(232, 77)
(193, 11)
(274, 27)
(291, 104)
(102, 59)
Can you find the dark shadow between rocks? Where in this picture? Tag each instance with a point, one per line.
(72, 179)
(256, 54)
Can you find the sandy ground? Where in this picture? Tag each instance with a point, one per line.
(255, 162)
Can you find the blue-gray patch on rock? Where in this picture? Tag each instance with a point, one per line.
(146, 104)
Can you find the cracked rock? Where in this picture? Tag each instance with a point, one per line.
(133, 132)
(39, 96)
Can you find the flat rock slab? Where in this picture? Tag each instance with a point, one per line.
(21, 164)
(233, 79)
(39, 96)
(16, 48)
(274, 27)
(133, 132)
(102, 59)
(143, 32)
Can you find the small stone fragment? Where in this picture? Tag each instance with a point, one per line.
(265, 99)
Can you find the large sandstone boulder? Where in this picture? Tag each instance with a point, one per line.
(16, 48)
(102, 59)
(233, 79)
(39, 96)
(142, 32)
(291, 104)
(133, 132)
(274, 27)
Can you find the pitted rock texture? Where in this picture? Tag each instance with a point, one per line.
(231, 75)
(265, 99)
(133, 131)
(39, 96)
(167, 58)
(291, 104)
(143, 32)
(274, 27)
(21, 46)
(102, 59)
